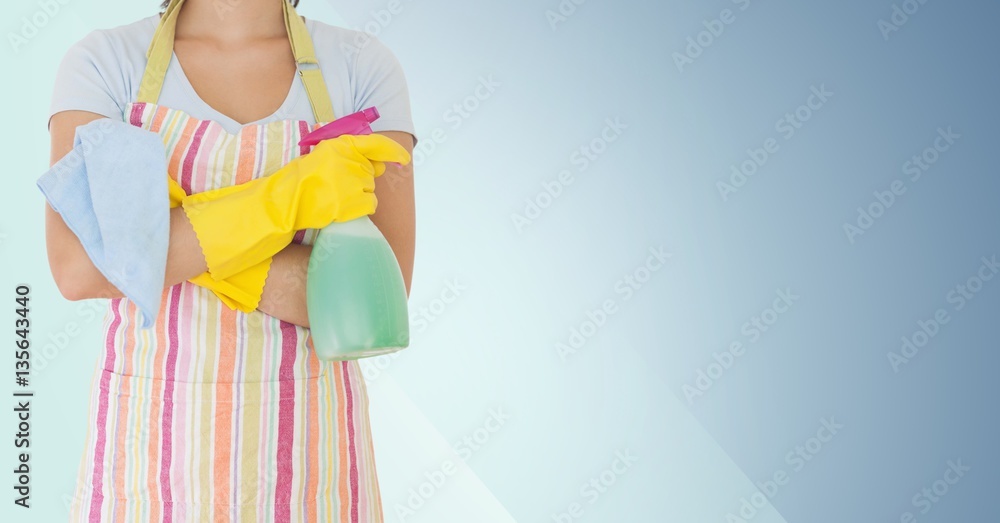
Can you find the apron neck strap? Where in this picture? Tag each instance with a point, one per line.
(162, 48)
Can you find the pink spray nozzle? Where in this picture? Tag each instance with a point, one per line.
(357, 123)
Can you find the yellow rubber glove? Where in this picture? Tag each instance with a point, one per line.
(243, 225)
(240, 291)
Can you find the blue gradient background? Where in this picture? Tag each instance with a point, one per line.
(523, 291)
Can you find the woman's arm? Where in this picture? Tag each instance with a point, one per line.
(396, 213)
(284, 293)
(75, 275)
(285, 290)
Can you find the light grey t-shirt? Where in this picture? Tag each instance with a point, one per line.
(101, 74)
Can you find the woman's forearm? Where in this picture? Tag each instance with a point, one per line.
(78, 278)
(75, 274)
(185, 259)
(285, 289)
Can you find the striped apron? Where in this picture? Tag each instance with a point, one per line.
(213, 414)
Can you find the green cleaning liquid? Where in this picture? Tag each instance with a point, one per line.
(355, 293)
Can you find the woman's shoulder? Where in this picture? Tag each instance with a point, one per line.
(124, 41)
(328, 33)
(340, 42)
(101, 71)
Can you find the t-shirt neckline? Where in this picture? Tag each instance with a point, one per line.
(228, 123)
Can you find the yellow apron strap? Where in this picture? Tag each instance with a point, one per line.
(158, 55)
(308, 65)
(162, 48)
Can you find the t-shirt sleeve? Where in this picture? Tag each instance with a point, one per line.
(379, 82)
(90, 78)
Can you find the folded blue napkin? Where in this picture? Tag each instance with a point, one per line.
(111, 190)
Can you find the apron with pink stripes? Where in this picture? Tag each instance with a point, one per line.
(214, 414)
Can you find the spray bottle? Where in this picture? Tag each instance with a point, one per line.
(355, 293)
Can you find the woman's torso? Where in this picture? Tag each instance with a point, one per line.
(214, 414)
(196, 338)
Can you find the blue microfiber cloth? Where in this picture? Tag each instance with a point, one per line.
(111, 190)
